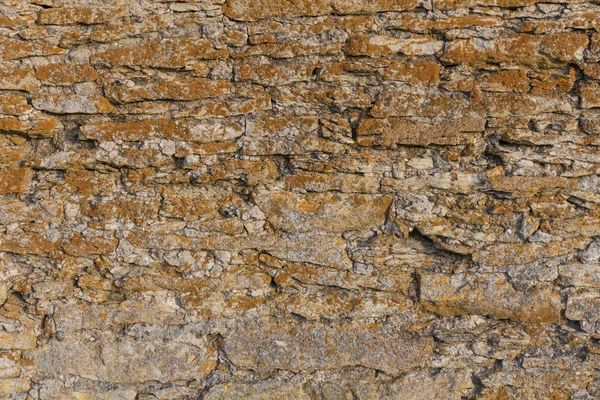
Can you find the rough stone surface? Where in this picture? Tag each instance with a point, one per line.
(299, 199)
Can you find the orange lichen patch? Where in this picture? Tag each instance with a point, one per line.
(27, 243)
(121, 208)
(18, 22)
(202, 205)
(14, 155)
(249, 10)
(371, 6)
(526, 186)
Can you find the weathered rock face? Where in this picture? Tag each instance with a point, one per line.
(299, 199)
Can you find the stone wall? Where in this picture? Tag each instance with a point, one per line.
(299, 199)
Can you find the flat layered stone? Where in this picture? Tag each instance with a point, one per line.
(71, 104)
(490, 295)
(189, 89)
(292, 212)
(175, 53)
(17, 77)
(246, 10)
(269, 135)
(106, 361)
(584, 308)
(552, 50)
(590, 95)
(204, 131)
(79, 15)
(14, 105)
(14, 180)
(347, 183)
(14, 386)
(17, 341)
(261, 390)
(295, 346)
(337, 199)
(65, 74)
(580, 275)
(394, 132)
(381, 46)
(417, 72)
(14, 49)
(80, 245)
(394, 102)
(399, 102)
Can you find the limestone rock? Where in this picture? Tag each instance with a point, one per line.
(332, 199)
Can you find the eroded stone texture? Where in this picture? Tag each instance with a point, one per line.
(299, 199)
